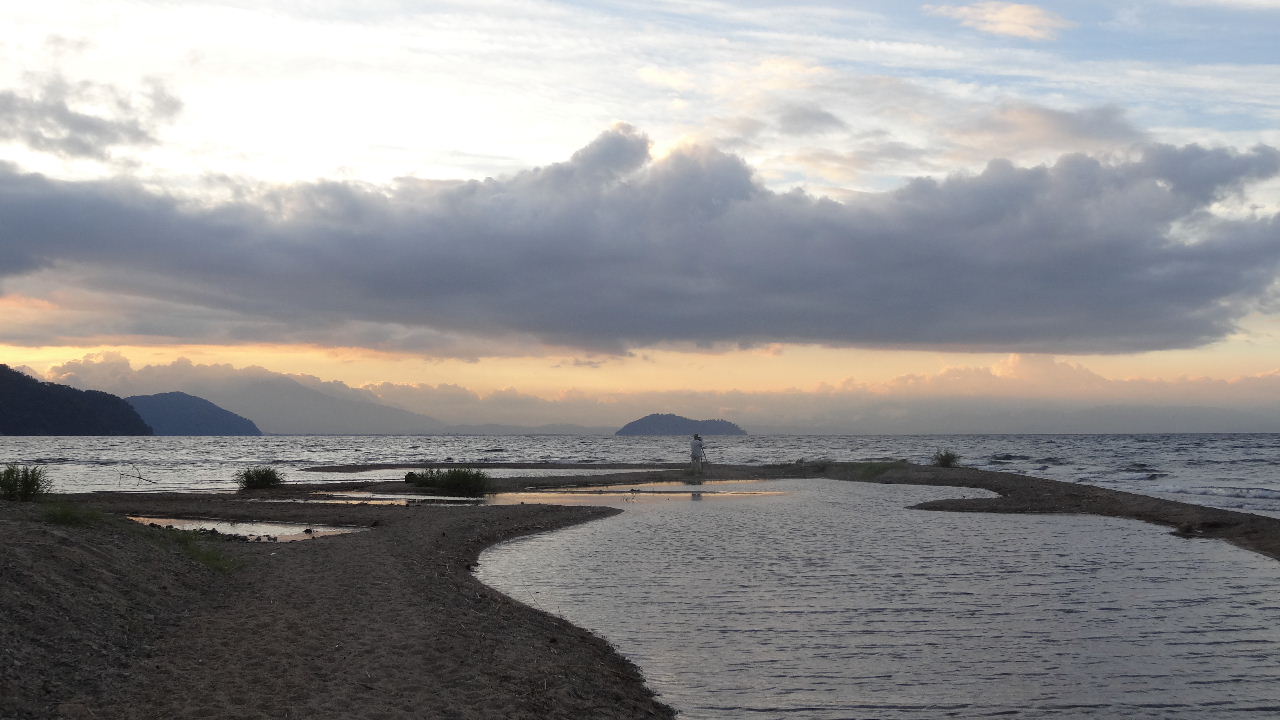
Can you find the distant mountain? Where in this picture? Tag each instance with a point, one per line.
(283, 406)
(31, 407)
(177, 413)
(502, 429)
(669, 424)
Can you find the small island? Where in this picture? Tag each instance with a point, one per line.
(671, 424)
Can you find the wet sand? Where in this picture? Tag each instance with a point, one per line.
(115, 620)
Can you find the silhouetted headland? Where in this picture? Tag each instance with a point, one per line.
(31, 407)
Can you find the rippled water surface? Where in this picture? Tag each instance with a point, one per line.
(1235, 471)
(834, 601)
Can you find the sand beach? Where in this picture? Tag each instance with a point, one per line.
(104, 618)
(114, 620)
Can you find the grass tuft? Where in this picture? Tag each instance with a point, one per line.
(945, 458)
(196, 545)
(459, 481)
(61, 512)
(872, 470)
(24, 482)
(258, 478)
(199, 545)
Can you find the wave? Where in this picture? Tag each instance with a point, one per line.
(1228, 492)
(1120, 477)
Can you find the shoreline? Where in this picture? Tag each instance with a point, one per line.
(116, 620)
(1027, 494)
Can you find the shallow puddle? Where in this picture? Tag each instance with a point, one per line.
(493, 472)
(254, 531)
(368, 498)
(569, 495)
(359, 496)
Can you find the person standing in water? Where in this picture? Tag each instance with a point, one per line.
(697, 453)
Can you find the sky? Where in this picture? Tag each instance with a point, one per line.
(809, 217)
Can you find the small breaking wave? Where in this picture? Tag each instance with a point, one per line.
(1120, 477)
(1227, 492)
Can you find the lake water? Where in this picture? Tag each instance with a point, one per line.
(834, 601)
(831, 600)
(1234, 471)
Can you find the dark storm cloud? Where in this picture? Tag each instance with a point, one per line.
(48, 117)
(613, 249)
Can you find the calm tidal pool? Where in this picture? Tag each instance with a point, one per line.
(833, 600)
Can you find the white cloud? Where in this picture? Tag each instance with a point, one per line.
(1004, 18)
(375, 91)
(1241, 4)
(1023, 129)
(672, 78)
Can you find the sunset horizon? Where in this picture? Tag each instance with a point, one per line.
(617, 359)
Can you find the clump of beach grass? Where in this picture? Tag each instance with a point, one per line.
(24, 482)
(946, 458)
(259, 477)
(872, 470)
(202, 546)
(197, 546)
(468, 482)
(817, 467)
(61, 512)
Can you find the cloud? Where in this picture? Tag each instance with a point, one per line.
(112, 372)
(83, 119)
(28, 371)
(867, 156)
(614, 249)
(674, 79)
(1028, 128)
(277, 403)
(1003, 18)
(1018, 376)
(1021, 394)
(737, 131)
(1240, 4)
(807, 120)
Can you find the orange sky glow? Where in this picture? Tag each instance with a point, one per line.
(765, 369)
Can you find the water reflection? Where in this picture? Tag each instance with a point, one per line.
(834, 601)
(375, 498)
(653, 492)
(254, 531)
